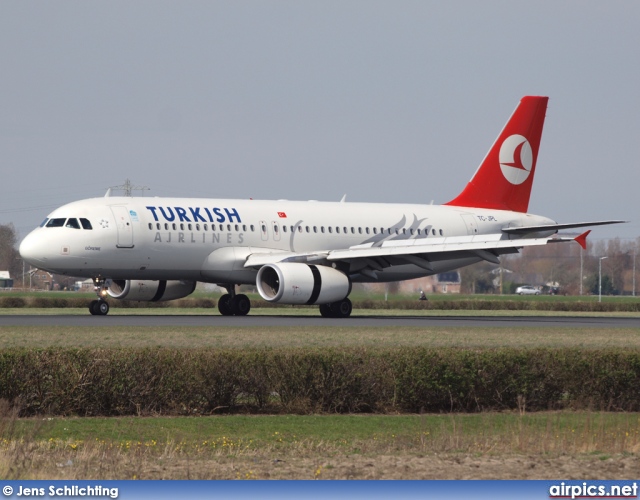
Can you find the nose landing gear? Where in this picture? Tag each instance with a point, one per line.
(99, 307)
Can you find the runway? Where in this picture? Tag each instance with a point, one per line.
(255, 321)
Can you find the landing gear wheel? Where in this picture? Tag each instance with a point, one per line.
(98, 308)
(102, 308)
(325, 311)
(342, 308)
(224, 305)
(240, 305)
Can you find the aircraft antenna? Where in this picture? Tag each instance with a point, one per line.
(127, 188)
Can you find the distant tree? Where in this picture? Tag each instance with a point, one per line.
(9, 256)
(593, 285)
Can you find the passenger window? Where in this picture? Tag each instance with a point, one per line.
(56, 222)
(237, 228)
(375, 230)
(229, 227)
(330, 229)
(367, 230)
(244, 227)
(264, 228)
(433, 231)
(441, 233)
(181, 226)
(86, 224)
(322, 229)
(205, 227)
(189, 227)
(275, 228)
(150, 225)
(73, 224)
(419, 231)
(359, 230)
(306, 229)
(252, 228)
(284, 229)
(344, 230)
(299, 229)
(174, 226)
(337, 230)
(353, 230)
(166, 226)
(315, 229)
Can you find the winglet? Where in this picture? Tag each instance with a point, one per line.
(582, 239)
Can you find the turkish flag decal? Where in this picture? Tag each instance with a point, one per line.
(282, 215)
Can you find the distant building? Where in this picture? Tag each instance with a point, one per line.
(41, 280)
(5, 280)
(440, 283)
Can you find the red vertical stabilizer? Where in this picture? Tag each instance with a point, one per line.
(503, 180)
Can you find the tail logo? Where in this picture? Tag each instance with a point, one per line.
(516, 159)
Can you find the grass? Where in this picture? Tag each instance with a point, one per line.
(254, 447)
(315, 336)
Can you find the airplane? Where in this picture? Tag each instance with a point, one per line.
(299, 252)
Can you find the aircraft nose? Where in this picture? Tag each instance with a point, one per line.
(32, 250)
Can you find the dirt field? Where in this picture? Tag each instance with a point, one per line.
(338, 466)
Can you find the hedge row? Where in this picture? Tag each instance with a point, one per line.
(108, 382)
(472, 304)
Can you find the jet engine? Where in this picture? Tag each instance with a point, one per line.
(294, 283)
(150, 291)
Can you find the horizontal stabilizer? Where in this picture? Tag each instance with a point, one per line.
(558, 227)
(582, 239)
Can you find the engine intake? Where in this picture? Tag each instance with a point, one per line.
(294, 283)
(150, 291)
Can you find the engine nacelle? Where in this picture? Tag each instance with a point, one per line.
(150, 291)
(294, 283)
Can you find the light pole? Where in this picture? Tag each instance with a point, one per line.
(634, 272)
(600, 279)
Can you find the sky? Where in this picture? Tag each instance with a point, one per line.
(384, 101)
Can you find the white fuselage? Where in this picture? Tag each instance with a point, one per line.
(209, 239)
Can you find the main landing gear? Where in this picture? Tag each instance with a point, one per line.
(99, 307)
(232, 304)
(340, 309)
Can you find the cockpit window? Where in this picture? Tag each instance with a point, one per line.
(56, 222)
(44, 222)
(85, 224)
(72, 223)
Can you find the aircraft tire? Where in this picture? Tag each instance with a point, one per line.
(240, 305)
(102, 308)
(342, 308)
(224, 305)
(325, 311)
(93, 307)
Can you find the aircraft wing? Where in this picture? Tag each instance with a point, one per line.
(557, 227)
(418, 252)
